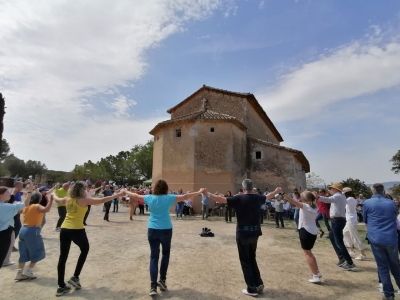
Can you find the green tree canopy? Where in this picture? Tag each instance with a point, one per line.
(314, 181)
(4, 150)
(396, 162)
(358, 187)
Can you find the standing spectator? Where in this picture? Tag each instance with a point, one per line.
(296, 196)
(179, 205)
(286, 210)
(205, 203)
(228, 212)
(17, 193)
(279, 210)
(323, 213)
(350, 233)
(107, 205)
(62, 211)
(337, 214)
(248, 230)
(380, 215)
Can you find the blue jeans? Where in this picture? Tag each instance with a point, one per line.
(296, 217)
(247, 247)
(179, 209)
(321, 216)
(336, 237)
(157, 237)
(387, 260)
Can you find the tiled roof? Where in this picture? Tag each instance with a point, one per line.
(250, 97)
(204, 114)
(298, 154)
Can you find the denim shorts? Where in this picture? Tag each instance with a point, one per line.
(31, 246)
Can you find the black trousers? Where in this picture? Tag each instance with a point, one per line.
(62, 212)
(17, 224)
(5, 238)
(86, 214)
(279, 217)
(247, 247)
(141, 209)
(78, 236)
(107, 206)
(228, 214)
(115, 207)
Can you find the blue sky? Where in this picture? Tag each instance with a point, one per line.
(85, 80)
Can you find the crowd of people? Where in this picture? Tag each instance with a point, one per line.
(337, 207)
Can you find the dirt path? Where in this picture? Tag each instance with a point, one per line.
(200, 268)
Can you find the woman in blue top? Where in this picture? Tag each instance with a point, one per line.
(160, 229)
(7, 213)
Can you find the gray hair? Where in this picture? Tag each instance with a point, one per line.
(36, 198)
(247, 185)
(378, 188)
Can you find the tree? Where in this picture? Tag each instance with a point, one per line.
(2, 112)
(5, 149)
(357, 186)
(15, 166)
(33, 167)
(395, 190)
(143, 159)
(396, 162)
(314, 181)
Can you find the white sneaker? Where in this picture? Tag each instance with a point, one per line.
(20, 276)
(244, 291)
(319, 274)
(361, 257)
(28, 273)
(352, 254)
(9, 263)
(315, 279)
(57, 229)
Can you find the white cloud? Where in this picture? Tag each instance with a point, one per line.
(360, 68)
(121, 106)
(261, 4)
(59, 58)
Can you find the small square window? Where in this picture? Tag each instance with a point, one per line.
(178, 133)
(258, 154)
(212, 129)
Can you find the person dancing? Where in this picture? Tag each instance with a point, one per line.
(160, 229)
(7, 213)
(72, 230)
(31, 246)
(248, 230)
(307, 230)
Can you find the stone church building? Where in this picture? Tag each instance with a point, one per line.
(216, 138)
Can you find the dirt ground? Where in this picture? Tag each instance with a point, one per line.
(200, 268)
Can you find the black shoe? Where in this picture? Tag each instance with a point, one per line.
(153, 291)
(341, 262)
(75, 282)
(348, 267)
(84, 224)
(162, 285)
(321, 233)
(62, 290)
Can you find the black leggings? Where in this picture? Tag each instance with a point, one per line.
(5, 238)
(78, 236)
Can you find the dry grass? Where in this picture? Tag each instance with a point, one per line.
(200, 268)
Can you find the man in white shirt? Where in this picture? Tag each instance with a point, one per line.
(337, 214)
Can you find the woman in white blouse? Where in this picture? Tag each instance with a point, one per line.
(307, 229)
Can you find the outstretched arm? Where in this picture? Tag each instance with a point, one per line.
(188, 195)
(29, 194)
(294, 202)
(42, 209)
(94, 201)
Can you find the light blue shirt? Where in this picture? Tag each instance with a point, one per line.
(380, 215)
(338, 203)
(7, 213)
(205, 200)
(159, 206)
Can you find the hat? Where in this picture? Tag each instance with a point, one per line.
(337, 186)
(347, 189)
(43, 188)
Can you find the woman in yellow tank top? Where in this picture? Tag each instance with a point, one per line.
(73, 230)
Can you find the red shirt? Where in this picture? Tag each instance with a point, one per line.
(323, 208)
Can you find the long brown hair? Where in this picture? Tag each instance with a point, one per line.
(309, 198)
(160, 187)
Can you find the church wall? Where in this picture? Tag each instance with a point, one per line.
(277, 167)
(257, 128)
